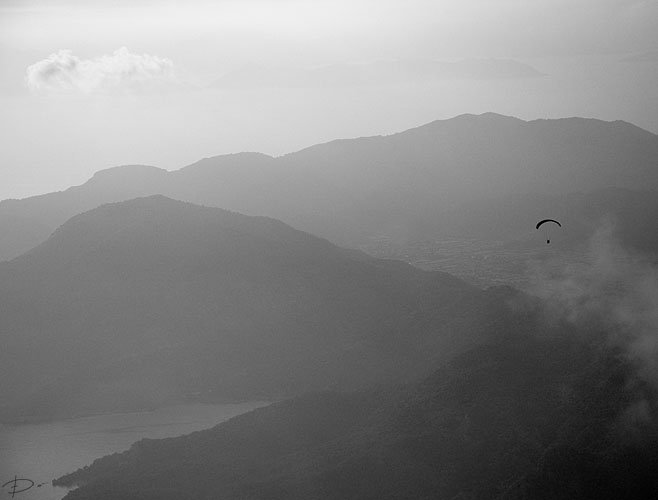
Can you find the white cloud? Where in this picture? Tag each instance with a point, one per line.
(120, 71)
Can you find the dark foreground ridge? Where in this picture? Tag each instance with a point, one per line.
(519, 418)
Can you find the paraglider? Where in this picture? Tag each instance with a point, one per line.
(544, 222)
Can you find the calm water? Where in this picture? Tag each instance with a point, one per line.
(42, 452)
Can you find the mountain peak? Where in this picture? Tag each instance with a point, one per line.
(488, 118)
(126, 173)
(173, 298)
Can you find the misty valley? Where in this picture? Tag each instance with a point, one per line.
(373, 318)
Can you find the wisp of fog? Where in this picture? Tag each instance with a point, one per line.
(611, 292)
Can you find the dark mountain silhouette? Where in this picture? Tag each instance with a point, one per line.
(142, 302)
(396, 186)
(28, 222)
(520, 417)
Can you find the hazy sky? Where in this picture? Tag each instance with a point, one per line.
(89, 84)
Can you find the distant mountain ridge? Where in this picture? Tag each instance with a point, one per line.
(139, 303)
(399, 185)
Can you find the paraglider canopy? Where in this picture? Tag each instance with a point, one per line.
(544, 222)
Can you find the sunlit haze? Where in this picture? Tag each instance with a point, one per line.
(85, 85)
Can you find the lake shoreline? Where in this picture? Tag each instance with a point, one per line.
(46, 450)
(42, 419)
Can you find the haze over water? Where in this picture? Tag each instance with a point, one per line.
(44, 451)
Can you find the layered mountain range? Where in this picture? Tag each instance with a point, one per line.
(135, 290)
(398, 186)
